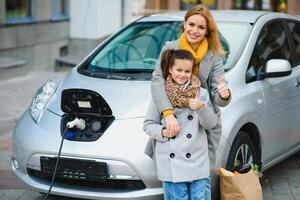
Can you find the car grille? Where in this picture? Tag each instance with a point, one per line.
(108, 183)
(76, 169)
(81, 172)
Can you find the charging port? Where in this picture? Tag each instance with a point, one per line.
(88, 110)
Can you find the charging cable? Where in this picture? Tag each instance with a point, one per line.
(79, 124)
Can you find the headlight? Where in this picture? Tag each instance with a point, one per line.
(41, 99)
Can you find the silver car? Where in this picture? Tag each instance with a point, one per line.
(107, 95)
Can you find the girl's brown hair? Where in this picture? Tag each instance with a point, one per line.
(168, 58)
(212, 36)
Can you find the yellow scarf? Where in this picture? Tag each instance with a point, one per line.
(198, 55)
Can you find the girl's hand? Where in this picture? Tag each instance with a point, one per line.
(172, 126)
(223, 90)
(167, 134)
(196, 104)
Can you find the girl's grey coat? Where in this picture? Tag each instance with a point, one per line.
(210, 70)
(184, 158)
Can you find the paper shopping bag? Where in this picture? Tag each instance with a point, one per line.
(240, 187)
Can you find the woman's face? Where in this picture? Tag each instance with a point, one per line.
(181, 71)
(195, 28)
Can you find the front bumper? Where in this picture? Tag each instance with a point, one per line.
(121, 150)
(84, 192)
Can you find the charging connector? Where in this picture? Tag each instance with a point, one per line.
(77, 123)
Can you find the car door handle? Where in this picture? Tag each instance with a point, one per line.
(297, 84)
(259, 101)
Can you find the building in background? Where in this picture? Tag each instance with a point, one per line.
(32, 34)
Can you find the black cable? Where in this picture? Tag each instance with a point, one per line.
(57, 161)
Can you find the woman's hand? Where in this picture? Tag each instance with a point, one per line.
(172, 126)
(223, 90)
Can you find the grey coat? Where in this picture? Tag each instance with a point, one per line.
(210, 69)
(184, 158)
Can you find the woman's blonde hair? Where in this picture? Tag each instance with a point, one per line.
(212, 36)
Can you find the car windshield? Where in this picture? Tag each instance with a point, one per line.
(133, 53)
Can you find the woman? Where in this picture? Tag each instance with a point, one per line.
(200, 37)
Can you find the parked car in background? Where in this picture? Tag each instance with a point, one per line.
(110, 91)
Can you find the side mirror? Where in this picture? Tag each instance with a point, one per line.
(276, 68)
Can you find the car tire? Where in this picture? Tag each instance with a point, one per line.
(242, 149)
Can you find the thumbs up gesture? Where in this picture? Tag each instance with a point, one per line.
(195, 103)
(223, 90)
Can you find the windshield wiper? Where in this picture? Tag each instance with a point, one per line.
(136, 71)
(119, 74)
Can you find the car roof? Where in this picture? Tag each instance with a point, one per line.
(219, 15)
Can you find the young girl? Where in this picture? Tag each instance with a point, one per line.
(182, 160)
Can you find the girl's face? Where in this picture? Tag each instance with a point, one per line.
(181, 71)
(195, 28)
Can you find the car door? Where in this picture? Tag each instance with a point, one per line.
(294, 33)
(278, 93)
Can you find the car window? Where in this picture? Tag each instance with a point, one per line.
(295, 33)
(134, 50)
(271, 43)
(234, 36)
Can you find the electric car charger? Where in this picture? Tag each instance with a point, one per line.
(77, 123)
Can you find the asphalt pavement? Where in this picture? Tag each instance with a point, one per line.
(281, 182)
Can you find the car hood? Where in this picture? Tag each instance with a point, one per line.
(126, 98)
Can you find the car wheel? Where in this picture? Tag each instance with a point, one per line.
(242, 151)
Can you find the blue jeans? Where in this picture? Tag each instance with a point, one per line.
(195, 190)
